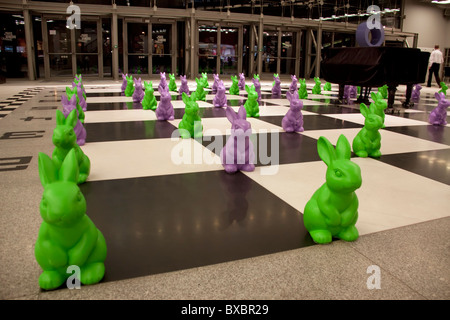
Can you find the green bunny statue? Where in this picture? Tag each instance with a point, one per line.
(65, 139)
(172, 83)
(234, 89)
(367, 142)
(332, 211)
(67, 236)
(200, 93)
(190, 125)
(251, 104)
(149, 102)
(130, 86)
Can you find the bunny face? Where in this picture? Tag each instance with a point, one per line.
(442, 101)
(372, 121)
(62, 204)
(63, 135)
(162, 75)
(343, 175)
(191, 105)
(252, 94)
(234, 79)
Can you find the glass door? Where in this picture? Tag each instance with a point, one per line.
(270, 52)
(288, 52)
(162, 48)
(87, 49)
(229, 57)
(59, 48)
(207, 49)
(138, 53)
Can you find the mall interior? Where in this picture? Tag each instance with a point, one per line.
(220, 244)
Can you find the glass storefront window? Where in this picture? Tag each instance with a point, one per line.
(228, 50)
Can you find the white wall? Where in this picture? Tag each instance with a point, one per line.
(429, 22)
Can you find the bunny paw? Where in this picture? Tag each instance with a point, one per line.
(92, 273)
(321, 236)
(49, 280)
(349, 234)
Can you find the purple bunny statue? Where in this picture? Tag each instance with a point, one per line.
(293, 86)
(215, 84)
(81, 96)
(415, 95)
(220, 100)
(438, 117)
(348, 95)
(293, 120)
(257, 85)
(238, 154)
(163, 83)
(241, 83)
(353, 92)
(165, 111)
(276, 89)
(124, 83)
(138, 93)
(68, 107)
(184, 86)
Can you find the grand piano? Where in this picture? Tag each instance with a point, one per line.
(373, 67)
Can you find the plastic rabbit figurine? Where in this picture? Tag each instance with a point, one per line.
(332, 211)
(65, 139)
(68, 107)
(204, 80)
(327, 86)
(316, 89)
(234, 89)
(293, 120)
(302, 92)
(184, 86)
(215, 83)
(276, 88)
(200, 92)
(163, 83)
(241, 83)
(293, 86)
(251, 105)
(238, 154)
(190, 125)
(443, 88)
(172, 83)
(165, 108)
(124, 83)
(347, 94)
(70, 92)
(149, 102)
(220, 100)
(80, 92)
(380, 104)
(438, 117)
(257, 85)
(353, 92)
(79, 84)
(67, 236)
(415, 95)
(138, 93)
(367, 142)
(130, 86)
(384, 91)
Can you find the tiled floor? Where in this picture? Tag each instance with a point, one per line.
(178, 227)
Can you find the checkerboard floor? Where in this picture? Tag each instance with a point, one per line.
(166, 204)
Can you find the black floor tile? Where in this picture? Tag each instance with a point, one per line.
(315, 122)
(149, 231)
(439, 134)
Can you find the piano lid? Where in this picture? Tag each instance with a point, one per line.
(374, 66)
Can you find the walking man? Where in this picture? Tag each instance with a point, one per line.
(434, 64)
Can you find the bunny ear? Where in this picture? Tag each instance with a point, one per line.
(247, 88)
(231, 115)
(72, 118)
(343, 150)
(438, 96)
(242, 113)
(60, 119)
(48, 172)
(364, 110)
(185, 97)
(64, 99)
(73, 100)
(69, 168)
(326, 151)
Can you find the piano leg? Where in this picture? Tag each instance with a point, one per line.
(364, 97)
(391, 95)
(408, 103)
(341, 91)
